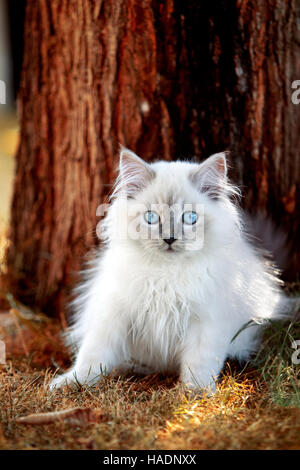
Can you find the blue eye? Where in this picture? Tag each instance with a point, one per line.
(151, 217)
(189, 218)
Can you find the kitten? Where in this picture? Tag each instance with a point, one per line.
(171, 292)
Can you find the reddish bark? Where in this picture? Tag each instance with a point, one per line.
(165, 78)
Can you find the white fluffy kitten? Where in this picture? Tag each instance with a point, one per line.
(165, 302)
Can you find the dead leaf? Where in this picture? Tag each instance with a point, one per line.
(76, 416)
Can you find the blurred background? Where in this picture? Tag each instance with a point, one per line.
(12, 14)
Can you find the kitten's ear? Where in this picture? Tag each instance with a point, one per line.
(134, 173)
(211, 175)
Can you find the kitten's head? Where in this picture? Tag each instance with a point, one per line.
(173, 208)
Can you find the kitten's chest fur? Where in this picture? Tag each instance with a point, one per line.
(159, 317)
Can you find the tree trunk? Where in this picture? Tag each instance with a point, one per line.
(165, 78)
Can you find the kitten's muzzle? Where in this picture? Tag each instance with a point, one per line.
(169, 241)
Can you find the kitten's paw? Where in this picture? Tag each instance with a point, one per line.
(196, 392)
(75, 379)
(199, 386)
(67, 379)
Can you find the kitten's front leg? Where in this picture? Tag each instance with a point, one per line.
(102, 350)
(203, 356)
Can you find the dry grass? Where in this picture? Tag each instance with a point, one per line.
(150, 412)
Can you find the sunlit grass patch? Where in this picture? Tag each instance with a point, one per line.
(239, 416)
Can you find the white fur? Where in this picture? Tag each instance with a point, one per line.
(147, 308)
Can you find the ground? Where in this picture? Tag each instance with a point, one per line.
(256, 406)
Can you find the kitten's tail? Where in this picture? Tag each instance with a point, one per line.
(272, 241)
(289, 309)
